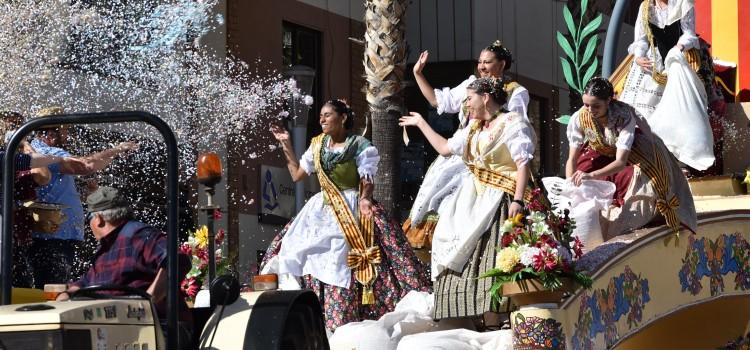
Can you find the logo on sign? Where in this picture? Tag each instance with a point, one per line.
(270, 196)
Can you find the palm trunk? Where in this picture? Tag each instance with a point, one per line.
(385, 61)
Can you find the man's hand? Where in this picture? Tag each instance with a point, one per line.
(76, 165)
(126, 147)
(66, 294)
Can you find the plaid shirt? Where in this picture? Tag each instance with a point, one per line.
(131, 255)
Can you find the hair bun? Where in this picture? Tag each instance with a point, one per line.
(495, 87)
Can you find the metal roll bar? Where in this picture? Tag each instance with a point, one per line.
(6, 247)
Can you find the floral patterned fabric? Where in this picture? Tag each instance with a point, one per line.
(399, 272)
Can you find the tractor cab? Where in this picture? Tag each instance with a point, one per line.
(123, 318)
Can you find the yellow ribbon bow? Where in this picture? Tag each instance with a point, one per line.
(667, 209)
(359, 259)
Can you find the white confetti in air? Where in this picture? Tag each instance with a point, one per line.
(98, 56)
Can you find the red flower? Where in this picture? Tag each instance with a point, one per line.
(220, 236)
(185, 249)
(217, 214)
(507, 239)
(545, 261)
(202, 254)
(577, 248)
(547, 240)
(190, 287)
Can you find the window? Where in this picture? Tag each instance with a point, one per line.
(303, 46)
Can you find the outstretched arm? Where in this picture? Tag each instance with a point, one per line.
(282, 135)
(424, 86)
(439, 143)
(98, 161)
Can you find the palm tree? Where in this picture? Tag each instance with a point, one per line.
(385, 62)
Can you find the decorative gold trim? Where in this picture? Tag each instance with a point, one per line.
(651, 163)
(363, 253)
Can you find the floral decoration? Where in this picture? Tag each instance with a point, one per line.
(196, 247)
(626, 294)
(715, 259)
(537, 246)
(537, 333)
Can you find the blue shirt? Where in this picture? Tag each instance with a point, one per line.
(61, 190)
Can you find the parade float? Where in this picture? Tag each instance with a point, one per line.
(652, 288)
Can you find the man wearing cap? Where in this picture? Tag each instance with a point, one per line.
(52, 255)
(130, 253)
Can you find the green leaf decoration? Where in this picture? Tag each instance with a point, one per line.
(593, 68)
(584, 6)
(565, 45)
(568, 73)
(592, 26)
(569, 22)
(590, 50)
(578, 56)
(564, 119)
(491, 273)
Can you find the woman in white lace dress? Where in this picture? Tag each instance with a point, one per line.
(663, 84)
(446, 172)
(497, 147)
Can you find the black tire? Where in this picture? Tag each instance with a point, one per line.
(304, 329)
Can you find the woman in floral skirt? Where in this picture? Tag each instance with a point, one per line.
(342, 244)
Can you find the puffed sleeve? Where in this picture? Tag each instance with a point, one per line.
(627, 135)
(519, 101)
(639, 47)
(520, 142)
(367, 163)
(574, 132)
(307, 163)
(688, 39)
(450, 100)
(457, 142)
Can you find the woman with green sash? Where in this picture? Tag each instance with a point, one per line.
(342, 245)
(497, 147)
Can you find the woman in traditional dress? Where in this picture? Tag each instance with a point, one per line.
(342, 245)
(496, 147)
(446, 173)
(663, 84)
(608, 140)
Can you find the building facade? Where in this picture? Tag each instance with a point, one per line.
(326, 35)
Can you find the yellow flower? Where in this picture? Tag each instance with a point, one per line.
(507, 259)
(517, 220)
(201, 237)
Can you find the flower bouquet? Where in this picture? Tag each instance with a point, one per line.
(197, 248)
(538, 247)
